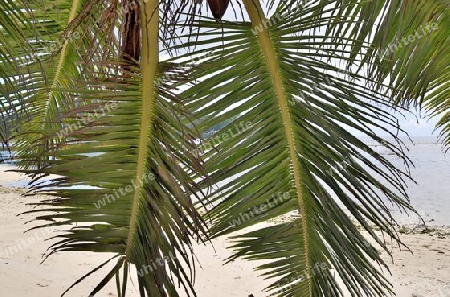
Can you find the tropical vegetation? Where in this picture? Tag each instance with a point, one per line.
(92, 101)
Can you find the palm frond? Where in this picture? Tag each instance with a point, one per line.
(43, 62)
(288, 94)
(117, 142)
(410, 52)
(298, 151)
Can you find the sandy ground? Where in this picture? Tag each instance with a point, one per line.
(425, 273)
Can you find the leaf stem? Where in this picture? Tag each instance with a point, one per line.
(149, 62)
(257, 18)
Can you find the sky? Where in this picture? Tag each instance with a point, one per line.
(416, 125)
(419, 126)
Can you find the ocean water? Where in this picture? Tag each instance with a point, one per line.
(430, 196)
(5, 157)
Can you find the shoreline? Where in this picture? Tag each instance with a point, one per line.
(423, 273)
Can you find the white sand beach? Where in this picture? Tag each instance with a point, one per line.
(425, 273)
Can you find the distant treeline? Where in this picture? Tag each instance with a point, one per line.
(217, 127)
(5, 136)
(5, 131)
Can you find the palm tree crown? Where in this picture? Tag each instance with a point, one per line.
(248, 120)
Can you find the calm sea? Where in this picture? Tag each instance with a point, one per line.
(431, 195)
(431, 170)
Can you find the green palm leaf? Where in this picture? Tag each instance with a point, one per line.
(104, 115)
(14, 52)
(411, 53)
(297, 153)
(133, 195)
(44, 62)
